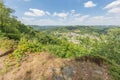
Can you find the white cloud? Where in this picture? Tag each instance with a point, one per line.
(98, 17)
(29, 14)
(76, 15)
(30, 21)
(103, 20)
(48, 13)
(113, 7)
(62, 15)
(72, 11)
(114, 10)
(25, 18)
(112, 4)
(82, 18)
(89, 4)
(36, 12)
(72, 18)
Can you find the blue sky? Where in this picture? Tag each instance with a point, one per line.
(66, 12)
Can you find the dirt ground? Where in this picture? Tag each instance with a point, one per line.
(45, 66)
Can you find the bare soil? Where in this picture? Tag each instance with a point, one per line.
(45, 66)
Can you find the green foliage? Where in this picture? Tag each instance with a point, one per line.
(2, 35)
(66, 50)
(10, 26)
(18, 54)
(115, 71)
(110, 46)
(27, 46)
(45, 38)
(13, 36)
(7, 43)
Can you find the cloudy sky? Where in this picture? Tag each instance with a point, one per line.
(66, 12)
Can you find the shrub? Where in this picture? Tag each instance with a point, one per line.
(7, 43)
(67, 50)
(27, 46)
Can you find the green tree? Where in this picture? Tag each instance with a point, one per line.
(5, 15)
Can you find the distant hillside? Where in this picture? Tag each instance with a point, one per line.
(39, 28)
(83, 29)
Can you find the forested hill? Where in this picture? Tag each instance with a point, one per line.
(83, 29)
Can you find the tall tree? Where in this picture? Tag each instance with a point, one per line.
(4, 15)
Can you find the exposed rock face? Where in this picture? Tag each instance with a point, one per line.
(46, 67)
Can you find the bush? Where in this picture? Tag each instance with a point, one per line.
(7, 43)
(67, 50)
(27, 46)
(13, 36)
